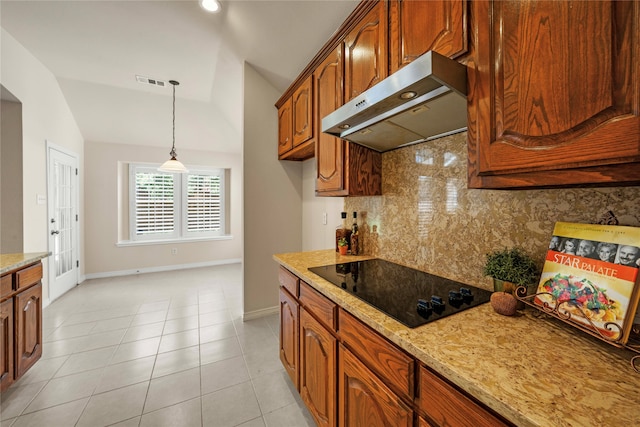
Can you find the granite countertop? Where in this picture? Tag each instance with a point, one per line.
(10, 262)
(535, 371)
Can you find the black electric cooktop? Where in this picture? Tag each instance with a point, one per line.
(410, 296)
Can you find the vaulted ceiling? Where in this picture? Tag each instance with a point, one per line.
(96, 48)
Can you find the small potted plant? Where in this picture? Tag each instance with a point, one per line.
(343, 246)
(511, 268)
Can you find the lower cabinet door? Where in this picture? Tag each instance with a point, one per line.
(6, 344)
(289, 335)
(364, 400)
(28, 318)
(317, 370)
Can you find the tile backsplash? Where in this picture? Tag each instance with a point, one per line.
(429, 220)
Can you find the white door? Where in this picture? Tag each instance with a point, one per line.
(62, 196)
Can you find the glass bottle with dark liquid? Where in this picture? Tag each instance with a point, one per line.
(355, 236)
(343, 231)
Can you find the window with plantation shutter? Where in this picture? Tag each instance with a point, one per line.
(154, 206)
(166, 206)
(204, 214)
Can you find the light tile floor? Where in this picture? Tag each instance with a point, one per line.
(157, 349)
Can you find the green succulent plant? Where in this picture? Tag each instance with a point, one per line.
(342, 242)
(511, 265)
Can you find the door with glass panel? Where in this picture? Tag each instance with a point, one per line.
(62, 196)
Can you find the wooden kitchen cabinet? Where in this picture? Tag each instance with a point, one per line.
(285, 131)
(359, 167)
(6, 344)
(417, 26)
(554, 94)
(343, 168)
(289, 316)
(28, 330)
(289, 312)
(329, 149)
(20, 322)
(317, 369)
(296, 124)
(350, 375)
(364, 400)
(365, 52)
(389, 362)
(302, 106)
(446, 406)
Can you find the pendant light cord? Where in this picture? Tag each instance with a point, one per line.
(173, 153)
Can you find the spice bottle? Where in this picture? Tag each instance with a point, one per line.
(355, 236)
(343, 230)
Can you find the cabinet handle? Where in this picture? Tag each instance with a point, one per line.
(26, 307)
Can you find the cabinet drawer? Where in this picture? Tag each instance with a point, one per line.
(28, 276)
(5, 285)
(289, 281)
(445, 405)
(381, 356)
(319, 305)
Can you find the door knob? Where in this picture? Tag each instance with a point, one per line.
(54, 232)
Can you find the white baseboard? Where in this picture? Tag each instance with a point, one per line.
(260, 313)
(161, 268)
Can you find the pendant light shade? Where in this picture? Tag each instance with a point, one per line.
(173, 165)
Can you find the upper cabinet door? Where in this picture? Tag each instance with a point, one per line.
(285, 117)
(329, 149)
(418, 26)
(303, 113)
(365, 52)
(554, 93)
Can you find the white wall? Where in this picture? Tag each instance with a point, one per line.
(45, 116)
(104, 207)
(315, 234)
(272, 197)
(11, 228)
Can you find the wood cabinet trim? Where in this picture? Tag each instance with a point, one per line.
(336, 39)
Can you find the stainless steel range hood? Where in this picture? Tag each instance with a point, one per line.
(424, 100)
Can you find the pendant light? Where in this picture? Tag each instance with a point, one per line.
(173, 165)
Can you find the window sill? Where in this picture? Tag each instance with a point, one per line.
(125, 243)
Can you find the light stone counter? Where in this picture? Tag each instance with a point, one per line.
(10, 262)
(533, 371)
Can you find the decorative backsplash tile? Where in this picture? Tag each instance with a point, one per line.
(428, 219)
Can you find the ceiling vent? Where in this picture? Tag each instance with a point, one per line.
(153, 82)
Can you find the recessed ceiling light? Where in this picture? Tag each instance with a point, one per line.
(210, 5)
